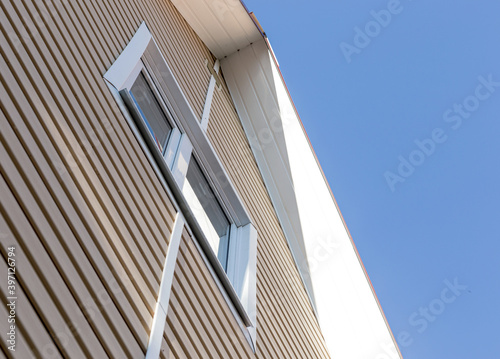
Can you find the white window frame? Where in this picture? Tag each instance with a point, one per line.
(238, 283)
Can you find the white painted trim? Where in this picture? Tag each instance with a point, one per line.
(161, 309)
(124, 65)
(242, 270)
(249, 77)
(223, 251)
(127, 84)
(348, 311)
(209, 98)
(181, 162)
(242, 266)
(173, 143)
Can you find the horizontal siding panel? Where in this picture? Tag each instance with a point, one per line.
(197, 301)
(45, 285)
(187, 293)
(165, 352)
(60, 243)
(31, 335)
(173, 344)
(23, 131)
(78, 103)
(213, 291)
(89, 216)
(101, 216)
(183, 337)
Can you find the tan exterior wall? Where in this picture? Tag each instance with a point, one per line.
(90, 219)
(199, 321)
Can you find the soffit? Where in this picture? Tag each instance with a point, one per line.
(223, 25)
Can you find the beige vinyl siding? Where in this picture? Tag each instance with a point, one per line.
(80, 202)
(40, 338)
(198, 315)
(90, 219)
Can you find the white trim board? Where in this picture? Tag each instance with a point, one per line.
(348, 311)
(210, 96)
(161, 309)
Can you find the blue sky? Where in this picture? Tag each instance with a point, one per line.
(406, 126)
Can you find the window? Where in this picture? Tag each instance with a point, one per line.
(146, 105)
(150, 110)
(178, 148)
(207, 210)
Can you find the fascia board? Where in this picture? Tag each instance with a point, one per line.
(347, 308)
(257, 106)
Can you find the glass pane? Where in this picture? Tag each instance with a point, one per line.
(151, 111)
(205, 206)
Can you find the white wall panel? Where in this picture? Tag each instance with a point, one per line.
(351, 319)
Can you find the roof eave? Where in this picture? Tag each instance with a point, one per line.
(225, 26)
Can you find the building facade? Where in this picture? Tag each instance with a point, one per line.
(161, 195)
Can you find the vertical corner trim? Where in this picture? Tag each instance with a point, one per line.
(161, 308)
(214, 80)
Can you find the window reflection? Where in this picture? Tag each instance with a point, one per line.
(207, 210)
(151, 111)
